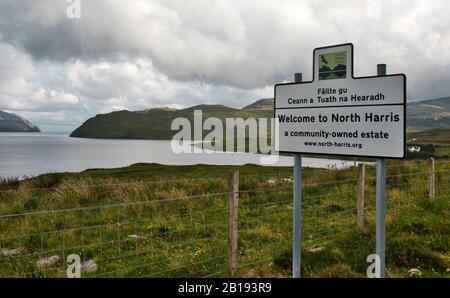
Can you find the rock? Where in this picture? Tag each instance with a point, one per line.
(275, 181)
(11, 251)
(316, 249)
(251, 274)
(415, 272)
(45, 262)
(287, 179)
(89, 266)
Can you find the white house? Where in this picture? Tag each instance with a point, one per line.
(414, 149)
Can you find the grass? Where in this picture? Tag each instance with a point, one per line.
(150, 220)
(440, 138)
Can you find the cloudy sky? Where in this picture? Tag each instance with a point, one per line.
(138, 54)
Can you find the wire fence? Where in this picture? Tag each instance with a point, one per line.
(178, 227)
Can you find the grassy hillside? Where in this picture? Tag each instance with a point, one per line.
(428, 114)
(151, 220)
(440, 138)
(156, 123)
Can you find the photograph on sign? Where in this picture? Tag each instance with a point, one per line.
(333, 66)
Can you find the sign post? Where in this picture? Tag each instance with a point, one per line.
(338, 114)
(297, 229)
(381, 205)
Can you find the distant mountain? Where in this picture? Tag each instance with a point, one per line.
(156, 123)
(15, 123)
(262, 104)
(212, 109)
(428, 114)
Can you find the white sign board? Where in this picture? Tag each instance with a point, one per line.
(337, 114)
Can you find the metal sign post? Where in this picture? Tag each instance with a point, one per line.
(381, 205)
(297, 229)
(337, 113)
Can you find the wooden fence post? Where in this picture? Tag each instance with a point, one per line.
(233, 204)
(431, 180)
(360, 196)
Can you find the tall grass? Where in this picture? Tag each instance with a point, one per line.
(164, 221)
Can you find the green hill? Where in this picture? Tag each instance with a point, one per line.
(428, 114)
(439, 137)
(262, 104)
(156, 123)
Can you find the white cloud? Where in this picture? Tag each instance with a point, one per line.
(133, 79)
(135, 84)
(19, 89)
(140, 54)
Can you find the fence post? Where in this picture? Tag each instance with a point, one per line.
(360, 196)
(431, 180)
(233, 203)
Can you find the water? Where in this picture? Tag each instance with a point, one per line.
(31, 154)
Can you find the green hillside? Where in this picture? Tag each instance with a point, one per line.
(439, 137)
(436, 136)
(156, 123)
(428, 114)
